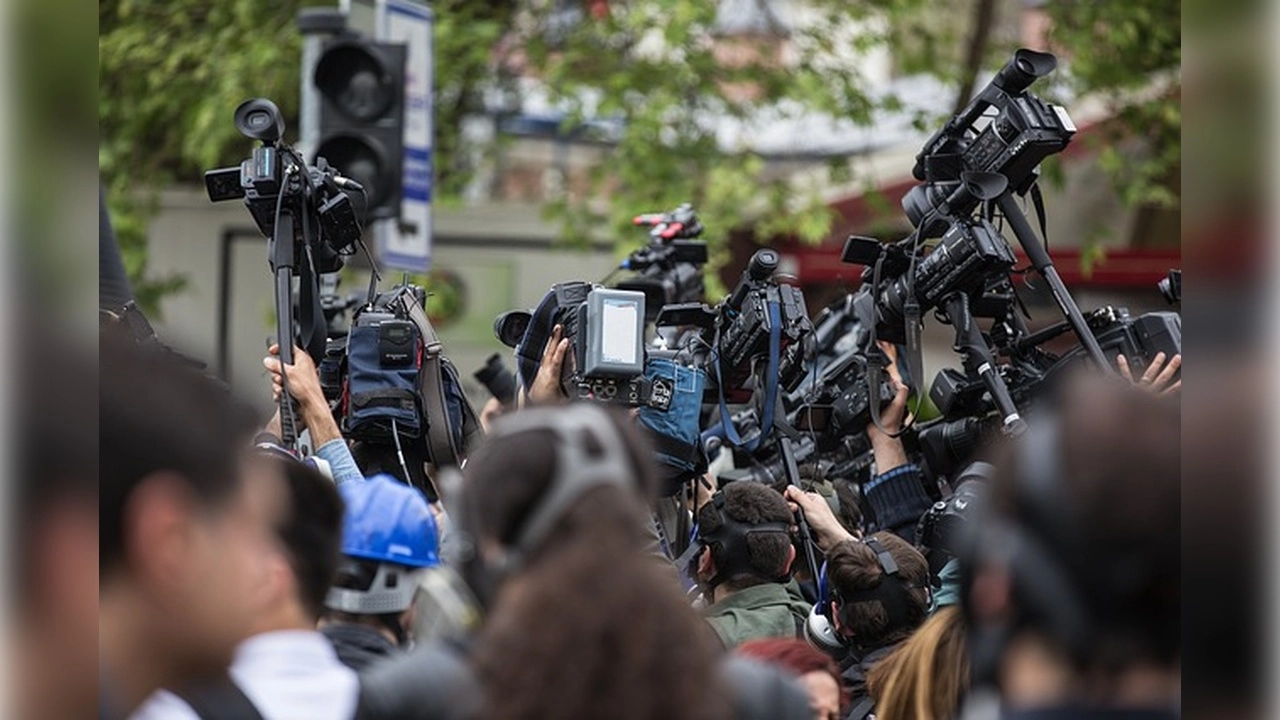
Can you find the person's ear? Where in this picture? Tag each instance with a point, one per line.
(706, 565)
(158, 533)
(836, 622)
(791, 558)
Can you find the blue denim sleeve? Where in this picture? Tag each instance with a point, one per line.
(343, 466)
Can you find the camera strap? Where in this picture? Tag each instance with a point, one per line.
(771, 383)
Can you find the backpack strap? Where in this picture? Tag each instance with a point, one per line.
(439, 434)
(223, 700)
(862, 709)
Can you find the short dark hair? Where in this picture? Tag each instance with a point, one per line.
(752, 504)
(311, 533)
(159, 413)
(852, 567)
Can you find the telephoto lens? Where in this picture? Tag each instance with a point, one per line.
(498, 380)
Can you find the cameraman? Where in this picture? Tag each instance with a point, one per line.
(877, 602)
(744, 566)
(1073, 587)
(314, 413)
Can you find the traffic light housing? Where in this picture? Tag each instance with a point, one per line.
(361, 87)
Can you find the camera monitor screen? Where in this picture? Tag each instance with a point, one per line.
(614, 333)
(619, 324)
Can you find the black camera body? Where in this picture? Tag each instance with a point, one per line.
(1022, 132)
(275, 179)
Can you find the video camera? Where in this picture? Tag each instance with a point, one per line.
(741, 331)
(308, 219)
(1022, 132)
(669, 269)
(276, 182)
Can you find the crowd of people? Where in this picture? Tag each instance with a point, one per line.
(542, 579)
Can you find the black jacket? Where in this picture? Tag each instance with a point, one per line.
(854, 669)
(359, 646)
(431, 682)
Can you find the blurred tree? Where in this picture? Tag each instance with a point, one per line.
(658, 72)
(1131, 52)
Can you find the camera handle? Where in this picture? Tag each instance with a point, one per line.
(977, 355)
(792, 471)
(1043, 264)
(283, 260)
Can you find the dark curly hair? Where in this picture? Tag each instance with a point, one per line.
(752, 504)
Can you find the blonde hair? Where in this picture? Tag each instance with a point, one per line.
(927, 676)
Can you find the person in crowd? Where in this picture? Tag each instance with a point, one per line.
(813, 669)
(187, 514)
(53, 526)
(314, 414)
(879, 591)
(927, 677)
(744, 565)
(388, 540)
(1073, 583)
(286, 669)
(582, 620)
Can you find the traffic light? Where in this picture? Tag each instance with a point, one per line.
(361, 86)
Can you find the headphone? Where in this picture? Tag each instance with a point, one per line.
(578, 469)
(731, 537)
(891, 593)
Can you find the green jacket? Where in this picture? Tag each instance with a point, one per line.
(760, 611)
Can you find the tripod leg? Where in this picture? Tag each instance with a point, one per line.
(1043, 264)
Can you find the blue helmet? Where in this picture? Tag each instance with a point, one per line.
(390, 524)
(388, 521)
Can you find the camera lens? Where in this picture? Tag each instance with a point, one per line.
(257, 120)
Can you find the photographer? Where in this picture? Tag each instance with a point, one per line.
(286, 668)
(744, 567)
(879, 596)
(313, 411)
(1073, 588)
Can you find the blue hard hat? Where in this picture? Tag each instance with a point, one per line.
(388, 521)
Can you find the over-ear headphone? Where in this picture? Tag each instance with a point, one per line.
(734, 556)
(578, 469)
(891, 592)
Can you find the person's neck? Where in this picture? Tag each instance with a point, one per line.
(1033, 676)
(133, 662)
(288, 615)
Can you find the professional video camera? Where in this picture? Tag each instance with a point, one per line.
(669, 269)
(307, 217)
(1020, 132)
(760, 320)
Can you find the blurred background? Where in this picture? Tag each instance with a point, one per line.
(786, 123)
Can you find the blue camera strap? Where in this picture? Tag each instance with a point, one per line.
(770, 384)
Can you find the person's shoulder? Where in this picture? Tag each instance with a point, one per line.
(761, 691)
(432, 682)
